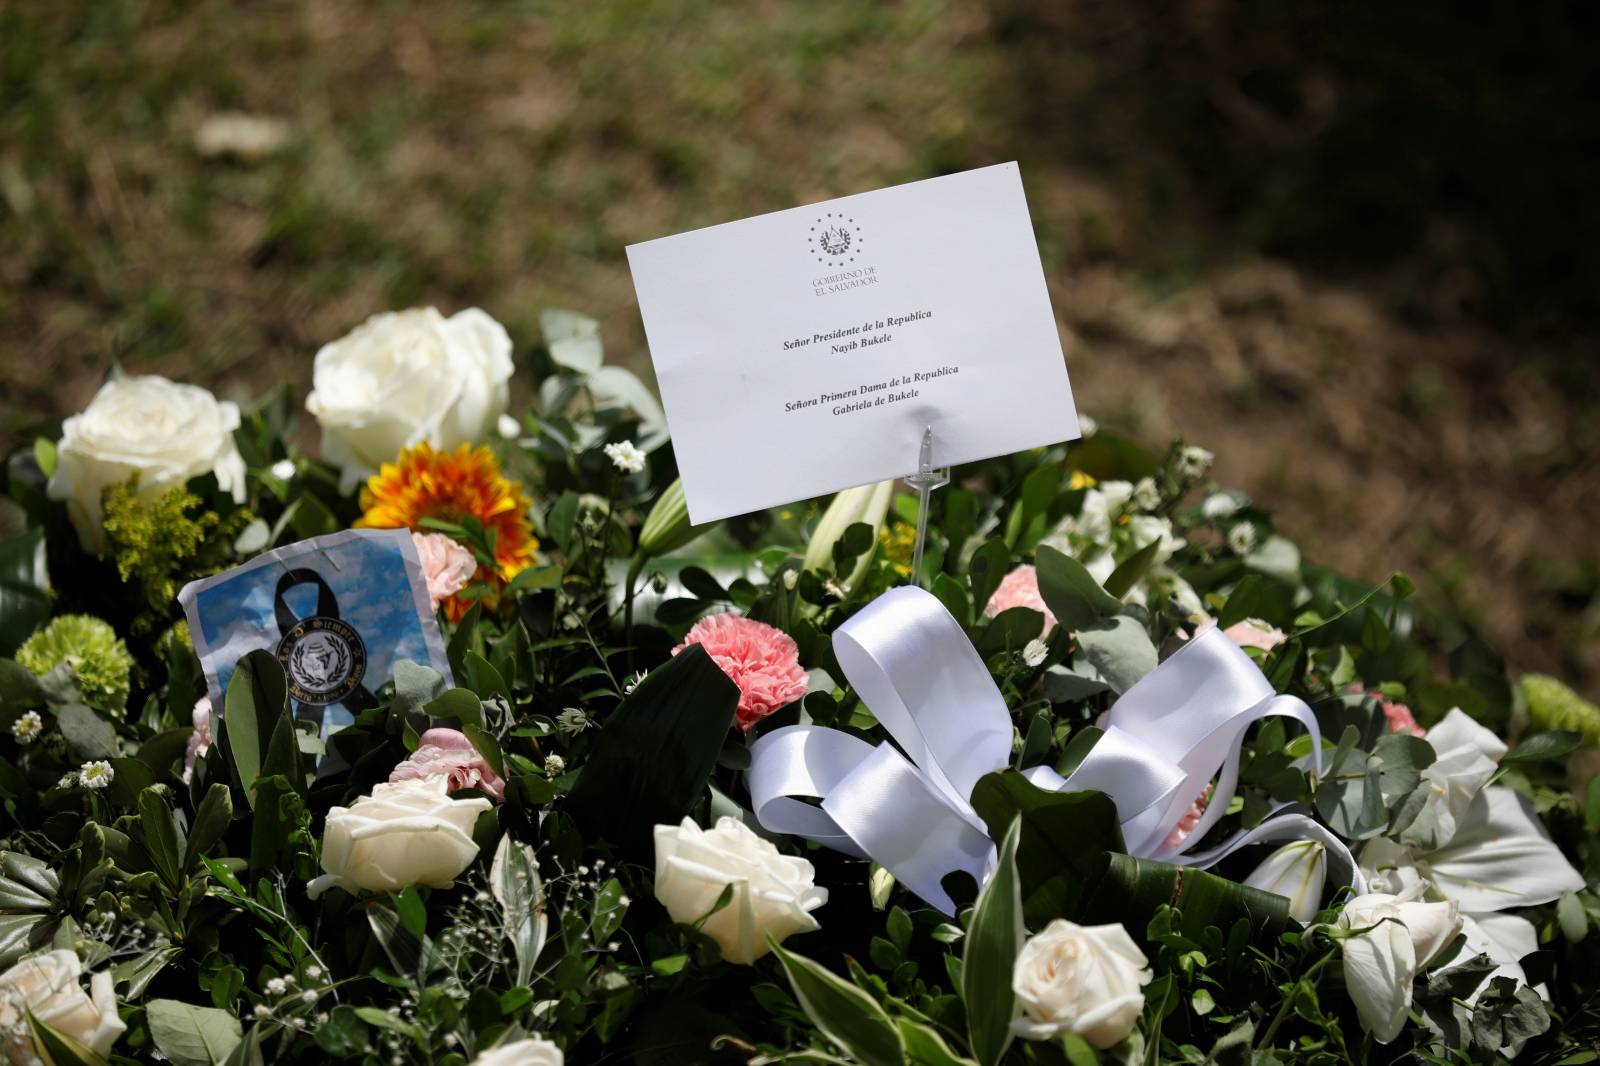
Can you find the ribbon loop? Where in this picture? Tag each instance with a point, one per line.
(911, 663)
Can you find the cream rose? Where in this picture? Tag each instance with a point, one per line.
(404, 377)
(1389, 939)
(164, 432)
(48, 986)
(529, 1052)
(1087, 980)
(773, 893)
(405, 833)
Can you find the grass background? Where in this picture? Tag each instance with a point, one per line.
(1348, 247)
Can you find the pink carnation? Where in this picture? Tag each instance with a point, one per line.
(200, 738)
(450, 752)
(446, 565)
(1020, 588)
(762, 660)
(1400, 717)
(1250, 633)
(1190, 819)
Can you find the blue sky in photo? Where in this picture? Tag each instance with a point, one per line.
(368, 578)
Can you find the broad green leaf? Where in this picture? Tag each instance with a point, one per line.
(1131, 570)
(86, 732)
(656, 751)
(844, 1013)
(1542, 746)
(989, 954)
(24, 589)
(986, 569)
(925, 1047)
(1071, 592)
(1131, 889)
(1259, 596)
(211, 820)
(257, 696)
(1063, 840)
(514, 880)
(58, 1048)
(484, 679)
(190, 1035)
(415, 685)
(1120, 649)
(160, 835)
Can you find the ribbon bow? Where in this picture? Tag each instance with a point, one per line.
(909, 660)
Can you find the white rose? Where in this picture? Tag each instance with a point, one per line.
(1399, 935)
(48, 986)
(1087, 980)
(164, 432)
(405, 833)
(404, 377)
(773, 893)
(521, 1053)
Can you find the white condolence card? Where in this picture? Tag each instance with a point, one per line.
(805, 351)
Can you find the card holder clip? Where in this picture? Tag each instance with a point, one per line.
(925, 480)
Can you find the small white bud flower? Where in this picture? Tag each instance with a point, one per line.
(1035, 652)
(508, 427)
(625, 457)
(554, 765)
(27, 727)
(1242, 538)
(96, 774)
(1145, 494)
(283, 469)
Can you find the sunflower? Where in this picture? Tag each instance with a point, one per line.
(453, 486)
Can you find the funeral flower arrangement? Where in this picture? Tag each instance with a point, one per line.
(1118, 776)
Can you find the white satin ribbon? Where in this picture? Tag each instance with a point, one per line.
(910, 662)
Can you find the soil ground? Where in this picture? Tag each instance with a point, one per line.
(502, 155)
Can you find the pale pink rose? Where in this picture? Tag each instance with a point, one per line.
(451, 753)
(200, 738)
(446, 565)
(1250, 633)
(762, 660)
(1190, 819)
(1020, 588)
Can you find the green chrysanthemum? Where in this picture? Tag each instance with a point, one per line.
(98, 659)
(1553, 705)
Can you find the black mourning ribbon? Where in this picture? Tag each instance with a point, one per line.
(359, 698)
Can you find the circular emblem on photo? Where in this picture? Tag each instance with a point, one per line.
(834, 240)
(324, 659)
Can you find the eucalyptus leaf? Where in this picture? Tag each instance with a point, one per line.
(86, 732)
(1120, 649)
(1071, 592)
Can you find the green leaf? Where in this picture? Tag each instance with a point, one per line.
(990, 954)
(24, 589)
(487, 746)
(190, 1035)
(844, 1013)
(1120, 649)
(1071, 592)
(484, 679)
(1233, 1047)
(159, 835)
(88, 734)
(1259, 596)
(925, 1047)
(60, 1049)
(514, 880)
(608, 911)
(953, 595)
(1542, 746)
(1131, 889)
(415, 685)
(1063, 840)
(19, 689)
(656, 751)
(1131, 570)
(211, 820)
(257, 696)
(986, 569)
(456, 704)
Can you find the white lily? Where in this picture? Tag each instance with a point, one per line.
(868, 504)
(1297, 870)
(1498, 858)
(1390, 939)
(1466, 757)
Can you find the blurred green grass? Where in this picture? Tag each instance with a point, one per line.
(1253, 218)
